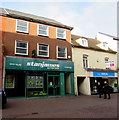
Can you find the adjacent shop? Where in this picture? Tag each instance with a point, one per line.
(35, 77)
(99, 75)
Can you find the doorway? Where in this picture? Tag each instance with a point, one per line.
(80, 85)
(53, 85)
(68, 87)
(15, 83)
(20, 83)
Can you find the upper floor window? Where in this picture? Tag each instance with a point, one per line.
(61, 33)
(85, 42)
(61, 52)
(105, 45)
(21, 26)
(21, 47)
(43, 30)
(43, 50)
(85, 61)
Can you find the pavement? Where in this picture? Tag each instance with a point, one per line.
(62, 107)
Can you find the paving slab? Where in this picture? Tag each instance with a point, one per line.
(62, 107)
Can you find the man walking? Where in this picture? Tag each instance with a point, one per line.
(99, 87)
(106, 90)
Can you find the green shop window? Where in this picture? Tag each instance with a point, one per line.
(35, 86)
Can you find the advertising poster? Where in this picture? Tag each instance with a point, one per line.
(10, 81)
(34, 81)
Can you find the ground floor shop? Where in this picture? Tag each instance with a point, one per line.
(113, 82)
(36, 77)
(88, 85)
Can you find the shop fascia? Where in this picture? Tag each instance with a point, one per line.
(101, 73)
(38, 64)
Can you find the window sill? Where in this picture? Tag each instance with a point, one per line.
(43, 56)
(22, 32)
(18, 54)
(62, 58)
(62, 39)
(43, 35)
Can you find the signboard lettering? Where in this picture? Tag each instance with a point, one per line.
(43, 64)
(103, 74)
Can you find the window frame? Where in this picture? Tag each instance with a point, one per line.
(21, 48)
(58, 52)
(105, 45)
(85, 61)
(27, 26)
(64, 34)
(47, 31)
(84, 42)
(42, 50)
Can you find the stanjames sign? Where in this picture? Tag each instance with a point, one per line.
(43, 64)
(18, 63)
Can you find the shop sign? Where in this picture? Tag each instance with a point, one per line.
(109, 64)
(18, 63)
(43, 65)
(103, 74)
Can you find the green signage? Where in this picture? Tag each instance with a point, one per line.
(18, 63)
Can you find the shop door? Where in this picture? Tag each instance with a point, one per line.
(53, 85)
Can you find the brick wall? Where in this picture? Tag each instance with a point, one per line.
(10, 35)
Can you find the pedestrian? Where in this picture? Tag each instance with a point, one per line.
(99, 88)
(106, 90)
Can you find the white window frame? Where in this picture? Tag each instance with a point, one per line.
(21, 48)
(85, 61)
(105, 45)
(64, 34)
(22, 26)
(47, 30)
(65, 52)
(42, 50)
(85, 42)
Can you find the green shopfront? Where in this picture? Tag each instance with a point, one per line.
(35, 77)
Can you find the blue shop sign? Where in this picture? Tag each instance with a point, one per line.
(103, 74)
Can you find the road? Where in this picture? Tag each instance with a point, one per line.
(62, 107)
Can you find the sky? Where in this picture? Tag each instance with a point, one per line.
(87, 17)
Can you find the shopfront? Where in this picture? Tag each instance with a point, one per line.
(102, 76)
(35, 77)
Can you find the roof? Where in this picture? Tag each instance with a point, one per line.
(108, 35)
(92, 44)
(30, 17)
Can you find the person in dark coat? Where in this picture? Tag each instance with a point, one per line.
(106, 90)
(99, 88)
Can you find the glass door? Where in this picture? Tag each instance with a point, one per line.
(53, 85)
